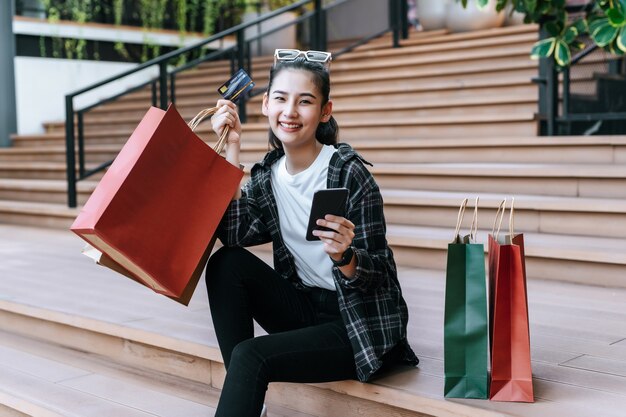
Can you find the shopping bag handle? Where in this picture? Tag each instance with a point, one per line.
(498, 220)
(474, 226)
(511, 220)
(459, 220)
(203, 114)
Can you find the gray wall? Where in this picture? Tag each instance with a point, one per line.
(357, 19)
(8, 123)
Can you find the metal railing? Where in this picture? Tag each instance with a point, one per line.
(238, 54)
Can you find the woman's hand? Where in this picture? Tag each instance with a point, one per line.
(227, 115)
(338, 240)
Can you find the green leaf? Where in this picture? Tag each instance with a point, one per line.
(554, 28)
(562, 54)
(481, 4)
(621, 40)
(558, 4)
(570, 34)
(603, 35)
(531, 5)
(464, 3)
(595, 23)
(543, 48)
(616, 17)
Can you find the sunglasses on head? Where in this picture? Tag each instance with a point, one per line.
(321, 57)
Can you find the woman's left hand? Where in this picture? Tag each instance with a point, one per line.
(339, 239)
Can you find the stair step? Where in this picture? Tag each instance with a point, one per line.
(70, 382)
(43, 191)
(28, 213)
(595, 217)
(577, 180)
(548, 256)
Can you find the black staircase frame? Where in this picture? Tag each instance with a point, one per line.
(239, 54)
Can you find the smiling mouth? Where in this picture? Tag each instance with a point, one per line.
(290, 125)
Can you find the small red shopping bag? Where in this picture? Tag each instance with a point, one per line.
(511, 373)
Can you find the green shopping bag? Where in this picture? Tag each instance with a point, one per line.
(466, 355)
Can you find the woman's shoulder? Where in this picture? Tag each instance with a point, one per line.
(348, 167)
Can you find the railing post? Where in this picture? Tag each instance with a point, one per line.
(323, 35)
(393, 22)
(552, 97)
(70, 157)
(316, 29)
(154, 93)
(241, 57)
(404, 18)
(81, 144)
(173, 87)
(163, 85)
(566, 97)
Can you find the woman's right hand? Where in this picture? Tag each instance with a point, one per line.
(227, 115)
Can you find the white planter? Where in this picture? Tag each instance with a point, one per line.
(512, 19)
(459, 19)
(432, 13)
(285, 38)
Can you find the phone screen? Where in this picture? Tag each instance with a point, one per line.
(330, 201)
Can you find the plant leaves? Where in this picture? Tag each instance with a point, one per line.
(481, 4)
(570, 34)
(616, 17)
(543, 48)
(531, 5)
(621, 40)
(603, 35)
(562, 54)
(554, 28)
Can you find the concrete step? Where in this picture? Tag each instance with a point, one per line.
(56, 153)
(548, 256)
(37, 214)
(576, 180)
(42, 191)
(576, 216)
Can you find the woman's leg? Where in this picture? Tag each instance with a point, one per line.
(241, 288)
(319, 353)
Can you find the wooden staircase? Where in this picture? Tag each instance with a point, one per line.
(444, 117)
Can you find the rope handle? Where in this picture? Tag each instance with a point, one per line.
(511, 220)
(459, 218)
(203, 114)
(499, 214)
(474, 226)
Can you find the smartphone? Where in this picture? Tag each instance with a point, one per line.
(330, 201)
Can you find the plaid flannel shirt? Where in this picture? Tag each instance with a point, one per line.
(371, 303)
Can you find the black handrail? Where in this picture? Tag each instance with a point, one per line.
(318, 41)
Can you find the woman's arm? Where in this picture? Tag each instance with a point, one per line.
(362, 233)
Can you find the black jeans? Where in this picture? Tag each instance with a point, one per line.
(307, 340)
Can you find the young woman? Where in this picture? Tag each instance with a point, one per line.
(333, 308)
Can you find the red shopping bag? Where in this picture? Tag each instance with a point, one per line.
(511, 373)
(154, 214)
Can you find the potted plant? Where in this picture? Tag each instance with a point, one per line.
(464, 17)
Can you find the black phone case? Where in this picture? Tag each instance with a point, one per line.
(330, 201)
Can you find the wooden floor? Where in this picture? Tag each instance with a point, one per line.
(578, 333)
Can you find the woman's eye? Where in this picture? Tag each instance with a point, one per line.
(305, 102)
(279, 98)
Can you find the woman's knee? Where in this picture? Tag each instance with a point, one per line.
(222, 262)
(248, 357)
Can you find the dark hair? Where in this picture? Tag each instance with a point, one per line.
(327, 132)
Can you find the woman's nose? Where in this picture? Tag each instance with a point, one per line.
(290, 109)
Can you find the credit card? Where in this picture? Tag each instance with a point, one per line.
(238, 85)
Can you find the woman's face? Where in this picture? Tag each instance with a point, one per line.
(294, 107)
